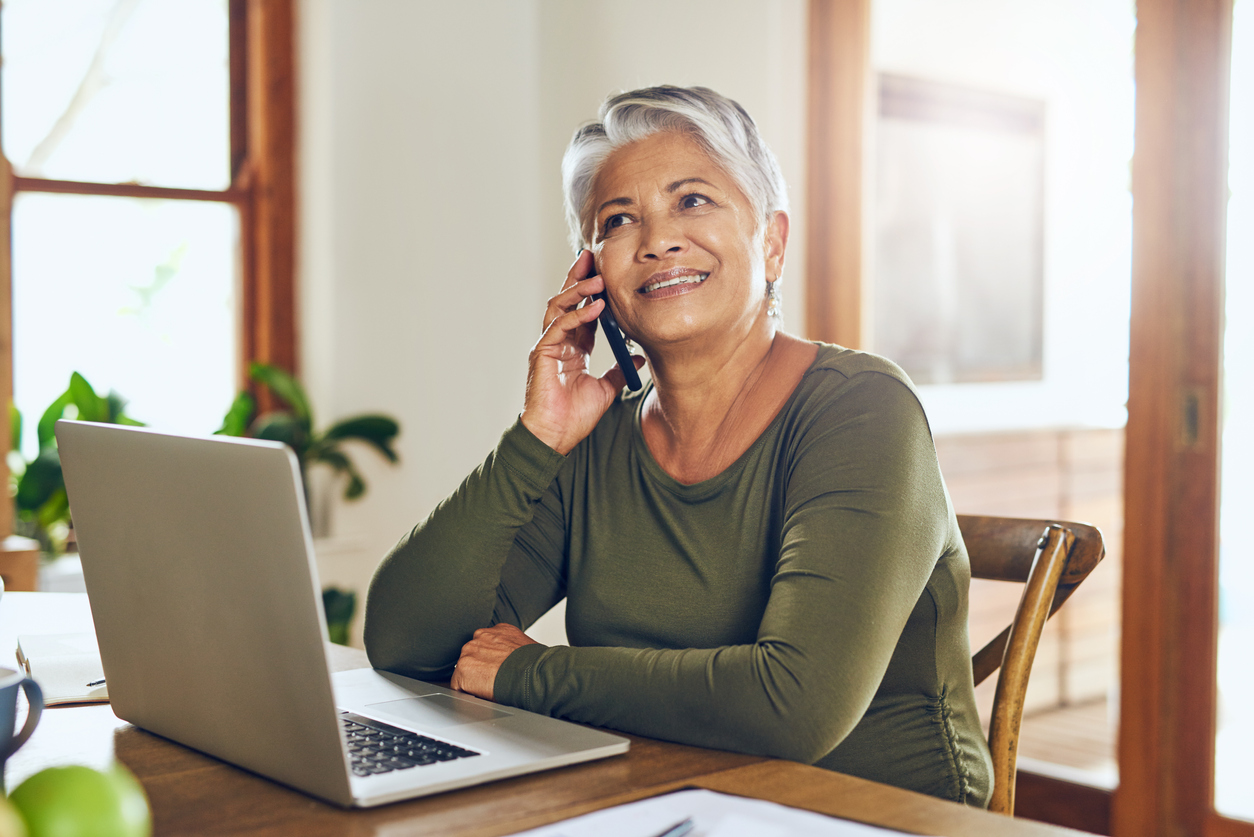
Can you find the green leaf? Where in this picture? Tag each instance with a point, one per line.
(375, 430)
(116, 406)
(91, 407)
(41, 480)
(337, 632)
(46, 429)
(55, 509)
(356, 486)
(285, 387)
(15, 427)
(343, 465)
(282, 427)
(339, 606)
(235, 422)
(117, 410)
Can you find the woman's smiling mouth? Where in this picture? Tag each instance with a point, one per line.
(675, 285)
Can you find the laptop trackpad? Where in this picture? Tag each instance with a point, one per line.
(436, 711)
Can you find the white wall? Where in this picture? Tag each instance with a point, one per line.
(432, 229)
(751, 50)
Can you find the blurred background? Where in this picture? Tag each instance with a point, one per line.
(428, 232)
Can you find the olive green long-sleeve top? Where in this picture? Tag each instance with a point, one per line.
(808, 603)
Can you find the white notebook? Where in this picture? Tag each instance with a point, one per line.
(66, 667)
(705, 813)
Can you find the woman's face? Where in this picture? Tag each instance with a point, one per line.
(677, 244)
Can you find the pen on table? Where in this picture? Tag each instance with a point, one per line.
(678, 829)
(95, 683)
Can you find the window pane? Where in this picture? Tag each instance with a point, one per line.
(118, 91)
(958, 229)
(137, 295)
(1002, 209)
(1234, 775)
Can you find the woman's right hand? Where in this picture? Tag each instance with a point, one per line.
(564, 401)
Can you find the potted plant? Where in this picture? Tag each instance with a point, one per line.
(43, 510)
(294, 426)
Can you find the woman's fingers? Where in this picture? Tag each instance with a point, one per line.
(563, 402)
(571, 297)
(575, 287)
(482, 657)
(614, 375)
(560, 327)
(580, 268)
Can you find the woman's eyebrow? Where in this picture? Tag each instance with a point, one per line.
(615, 202)
(678, 184)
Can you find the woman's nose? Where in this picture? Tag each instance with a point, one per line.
(662, 237)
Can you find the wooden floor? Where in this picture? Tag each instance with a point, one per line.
(1073, 742)
(1082, 737)
(1077, 743)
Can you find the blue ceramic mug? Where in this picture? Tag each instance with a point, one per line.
(10, 682)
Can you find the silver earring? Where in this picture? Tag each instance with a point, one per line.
(773, 301)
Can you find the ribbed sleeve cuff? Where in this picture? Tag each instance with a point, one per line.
(528, 457)
(514, 684)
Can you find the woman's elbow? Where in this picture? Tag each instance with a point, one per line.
(385, 648)
(389, 655)
(382, 650)
(804, 740)
(803, 729)
(799, 716)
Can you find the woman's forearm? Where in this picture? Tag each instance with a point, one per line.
(762, 698)
(441, 581)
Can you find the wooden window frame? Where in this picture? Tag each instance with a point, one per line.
(1170, 587)
(839, 101)
(1171, 534)
(262, 188)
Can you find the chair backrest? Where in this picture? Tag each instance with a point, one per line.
(1050, 558)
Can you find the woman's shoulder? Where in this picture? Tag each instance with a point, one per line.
(844, 384)
(849, 363)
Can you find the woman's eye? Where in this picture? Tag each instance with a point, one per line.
(693, 201)
(615, 221)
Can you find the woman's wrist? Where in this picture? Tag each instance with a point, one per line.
(552, 436)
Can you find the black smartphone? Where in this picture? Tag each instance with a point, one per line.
(614, 335)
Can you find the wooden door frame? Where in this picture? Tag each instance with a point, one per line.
(1171, 499)
(1170, 594)
(840, 84)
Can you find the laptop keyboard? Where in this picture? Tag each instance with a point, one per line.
(375, 747)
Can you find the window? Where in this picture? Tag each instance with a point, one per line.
(151, 200)
(959, 228)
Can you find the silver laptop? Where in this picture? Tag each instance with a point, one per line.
(200, 570)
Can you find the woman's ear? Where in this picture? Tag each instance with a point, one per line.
(774, 243)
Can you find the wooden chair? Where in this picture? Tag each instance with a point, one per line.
(1051, 558)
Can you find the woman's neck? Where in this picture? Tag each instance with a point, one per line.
(708, 407)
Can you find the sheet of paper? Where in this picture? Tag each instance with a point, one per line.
(713, 814)
(66, 667)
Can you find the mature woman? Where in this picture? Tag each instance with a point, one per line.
(757, 550)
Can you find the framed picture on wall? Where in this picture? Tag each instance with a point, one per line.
(958, 236)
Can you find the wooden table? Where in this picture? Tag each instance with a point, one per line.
(195, 794)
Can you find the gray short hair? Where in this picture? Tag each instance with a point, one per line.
(719, 125)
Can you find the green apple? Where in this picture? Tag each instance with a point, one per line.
(77, 801)
(11, 824)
